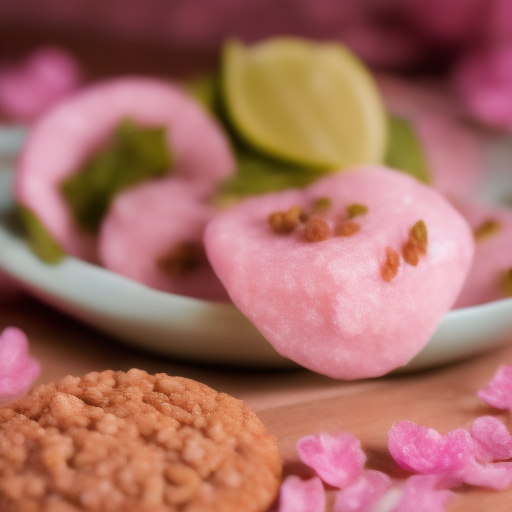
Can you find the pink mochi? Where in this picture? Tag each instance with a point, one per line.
(493, 254)
(452, 152)
(148, 223)
(63, 140)
(326, 305)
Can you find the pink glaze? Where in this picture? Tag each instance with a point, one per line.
(364, 493)
(298, 495)
(422, 449)
(46, 77)
(326, 305)
(493, 255)
(17, 369)
(421, 494)
(338, 459)
(498, 393)
(150, 221)
(65, 138)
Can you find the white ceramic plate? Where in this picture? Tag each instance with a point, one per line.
(202, 331)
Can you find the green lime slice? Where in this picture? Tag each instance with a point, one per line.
(404, 150)
(310, 103)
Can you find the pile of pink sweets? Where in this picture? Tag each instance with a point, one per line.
(349, 277)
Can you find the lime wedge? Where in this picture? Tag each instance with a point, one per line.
(310, 103)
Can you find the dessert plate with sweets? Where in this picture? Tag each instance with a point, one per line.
(125, 254)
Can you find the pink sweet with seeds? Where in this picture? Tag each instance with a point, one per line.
(490, 276)
(153, 234)
(363, 262)
(64, 139)
(17, 369)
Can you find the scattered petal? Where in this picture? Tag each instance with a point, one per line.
(28, 89)
(498, 392)
(422, 449)
(497, 476)
(362, 495)
(17, 369)
(420, 494)
(492, 439)
(338, 459)
(297, 495)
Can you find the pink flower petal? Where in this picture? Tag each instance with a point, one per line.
(492, 439)
(362, 494)
(496, 476)
(338, 459)
(422, 449)
(420, 494)
(17, 369)
(26, 90)
(498, 392)
(298, 495)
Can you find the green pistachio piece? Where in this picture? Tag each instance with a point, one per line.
(134, 154)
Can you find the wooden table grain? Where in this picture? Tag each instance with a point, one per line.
(291, 403)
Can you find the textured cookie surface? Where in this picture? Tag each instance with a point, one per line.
(131, 442)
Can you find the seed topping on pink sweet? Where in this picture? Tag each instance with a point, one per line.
(321, 205)
(183, 260)
(416, 245)
(390, 268)
(356, 209)
(316, 229)
(286, 222)
(346, 228)
(486, 229)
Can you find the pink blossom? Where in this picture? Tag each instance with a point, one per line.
(422, 449)
(492, 439)
(497, 476)
(298, 495)
(498, 392)
(362, 494)
(28, 89)
(338, 459)
(484, 81)
(17, 369)
(420, 494)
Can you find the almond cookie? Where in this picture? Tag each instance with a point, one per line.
(133, 442)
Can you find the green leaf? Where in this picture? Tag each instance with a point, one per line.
(135, 154)
(39, 239)
(404, 150)
(257, 173)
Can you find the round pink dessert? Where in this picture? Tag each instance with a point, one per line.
(490, 276)
(354, 290)
(452, 152)
(153, 234)
(63, 140)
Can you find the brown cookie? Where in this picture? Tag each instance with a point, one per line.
(133, 442)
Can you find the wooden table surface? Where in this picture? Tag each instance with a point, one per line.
(291, 403)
